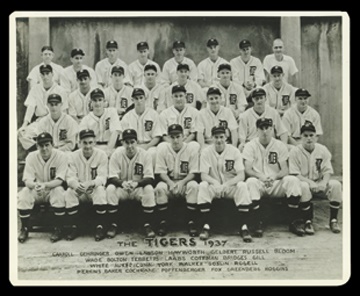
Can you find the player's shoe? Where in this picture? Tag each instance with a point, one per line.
(205, 234)
(99, 233)
(24, 234)
(297, 228)
(162, 230)
(149, 233)
(245, 234)
(111, 233)
(309, 228)
(72, 234)
(334, 226)
(56, 235)
(258, 229)
(192, 229)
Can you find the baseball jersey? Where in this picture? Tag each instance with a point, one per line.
(153, 95)
(312, 165)
(287, 64)
(73, 84)
(168, 75)
(266, 160)
(103, 71)
(280, 99)
(135, 169)
(34, 76)
(187, 118)
(223, 166)
(208, 119)
(247, 123)
(102, 126)
(177, 165)
(37, 170)
(252, 70)
(146, 125)
(118, 99)
(208, 70)
(79, 104)
(136, 70)
(293, 120)
(83, 170)
(38, 96)
(63, 131)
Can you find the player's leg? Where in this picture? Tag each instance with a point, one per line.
(147, 197)
(72, 210)
(57, 202)
(334, 194)
(205, 196)
(25, 204)
(26, 137)
(99, 200)
(113, 195)
(306, 208)
(191, 193)
(152, 152)
(256, 190)
(162, 199)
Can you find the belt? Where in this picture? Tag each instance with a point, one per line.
(101, 143)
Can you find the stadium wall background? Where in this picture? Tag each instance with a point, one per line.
(314, 42)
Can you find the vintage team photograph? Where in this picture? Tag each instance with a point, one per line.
(179, 148)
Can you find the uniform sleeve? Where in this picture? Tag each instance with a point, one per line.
(239, 162)
(194, 157)
(62, 166)
(148, 166)
(200, 94)
(156, 130)
(248, 152)
(283, 152)
(165, 75)
(235, 72)
(194, 124)
(98, 72)
(124, 123)
(294, 164)
(93, 76)
(102, 171)
(242, 127)
(200, 122)
(193, 71)
(292, 66)
(72, 175)
(162, 123)
(327, 166)
(317, 124)
(31, 98)
(232, 124)
(83, 124)
(161, 167)
(286, 120)
(73, 130)
(162, 100)
(242, 102)
(71, 102)
(201, 70)
(259, 73)
(29, 172)
(114, 168)
(279, 125)
(114, 121)
(205, 164)
(266, 64)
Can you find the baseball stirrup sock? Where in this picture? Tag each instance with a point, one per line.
(100, 211)
(59, 216)
(204, 213)
(25, 218)
(113, 215)
(148, 214)
(191, 212)
(243, 214)
(334, 209)
(255, 214)
(293, 208)
(162, 212)
(306, 209)
(72, 216)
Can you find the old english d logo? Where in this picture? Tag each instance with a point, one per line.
(187, 122)
(229, 165)
(223, 123)
(52, 173)
(318, 163)
(139, 169)
(285, 99)
(252, 70)
(184, 167)
(107, 123)
(273, 157)
(62, 135)
(233, 99)
(124, 103)
(189, 98)
(93, 173)
(148, 125)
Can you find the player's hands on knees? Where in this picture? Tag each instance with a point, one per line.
(321, 186)
(81, 189)
(179, 187)
(219, 190)
(172, 186)
(133, 185)
(126, 185)
(39, 188)
(313, 186)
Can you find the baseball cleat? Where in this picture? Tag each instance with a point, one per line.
(72, 234)
(56, 235)
(99, 233)
(192, 229)
(297, 228)
(258, 230)
(309, 228)
(334, 226)
(24, 234)
(111, 233)
(205, 234)
(245, 234)
(162, 228)
(149, 233)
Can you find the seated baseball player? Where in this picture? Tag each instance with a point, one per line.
(266, 165)
(280, 95)
(310, 162)
(177, 163)
(302, 113)
(86, 178)
(222, 176)
(179, 113)
(216, 115)
(130, 177)
(44, 174)
(103, 121)
(247, 124)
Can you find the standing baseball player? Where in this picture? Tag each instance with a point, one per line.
(170, 66)
(310, 162)
(248, 119)
(296, 117)
(208, 68)
(216, 115)
(44, 173)
(130, 177)
(103, 67)
(86, 178)
(103, 121)
(223, 175)
(177, 163)
(266, 165)
(136, 68)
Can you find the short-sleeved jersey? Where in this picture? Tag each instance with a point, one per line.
(223, 166)
(168, 75)
(83, 170)
(136, 70)
(73, 84)
(135, 169)
(287, 64)
(208, 119)
(208, 70)
(247, 123)
(266, 160)
(146, 125)
(281, 99)
(119, 99)
(187, 118)
(59, 78)
(63, 131)
(312, 165)
(38, 170)
(103, 126)
(79, 104)
(252, 70)
(293, 120)
(103, 71)
(153, 95)
(177, 165)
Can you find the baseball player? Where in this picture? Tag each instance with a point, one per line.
(36, 103)
(103, 121)
(86, 179)
(208, 68)
(310, 162)
(232, 93)
(44, 173)
(216, 115)
(137, 67)
(177, 163)
(77, 56)
(246, 69)
(280, 95)
(266, 165)
(223, 175)
(103, 67)
(194, 94)
(247, 123)
(168, 75)
(278, 58)
(179, 113)
(130, 177)
(47, 55)
(302, 113)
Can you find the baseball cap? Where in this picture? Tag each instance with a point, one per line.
(257, 92)
(150, 67)
(182, 66)
(175, 129)
(47, 47)
(142, 45)
(244, 43)
(117, 69)
(276, 69)
(111, 44)
(45, 69)
(129, 134)
(97, 93)
(178, 88)
(213, 91)
(178, 44)
(302, 92)
(54, 98)
(212, 41)
(138, 92)
(217, 130)
(77, 51)
(308, 126)
(264, 122)
(224, 67)
(86, 133)
(82, 73)
(43, 138)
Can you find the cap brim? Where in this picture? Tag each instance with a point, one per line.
(175, 133)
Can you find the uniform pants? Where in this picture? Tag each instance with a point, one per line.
(96, 196)
(190, 191)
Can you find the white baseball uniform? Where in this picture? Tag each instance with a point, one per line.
(153, 95)
(103, 71)
(79, 104)
(73, 84)
(287, 64)
(136, 70)
(252, 70)
(34, 76)
(280, 99)
(119, 99)
(168, 75)
(208, 70)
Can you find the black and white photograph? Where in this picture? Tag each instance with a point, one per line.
(179, 148)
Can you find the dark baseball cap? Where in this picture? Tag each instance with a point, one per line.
(217, 130)
(77, 51)
(47, 47)
(276, 69)
(257, 92)
(178, 44)
(54, 98)
(82, 73)
(175, 129)
(43, 138)
(224, 67)
(264, 122)
(308, 127)
(213, 91)
(117, 69)
(45, 69)
(138, 92)
(129, 134)
(142, 45)
(97, 93)
(86, 133)
(302, 92)
(244, 43)
(212, 41)
(150, 67)
(111, 44)
(182, 66)
(178, 88)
